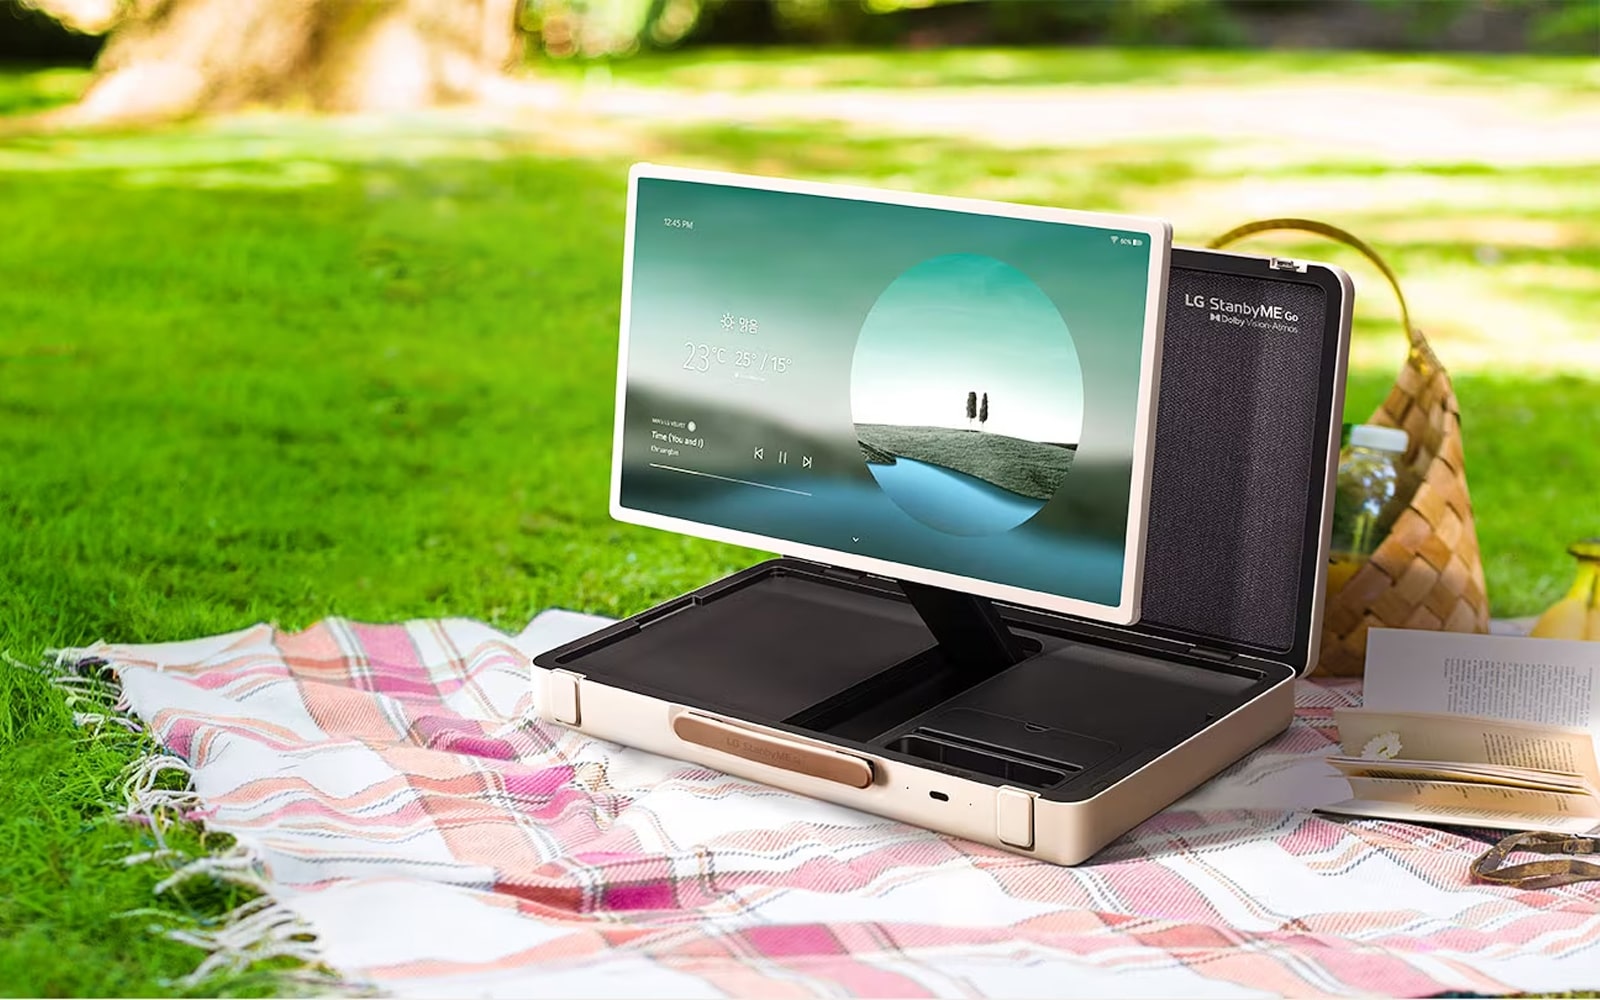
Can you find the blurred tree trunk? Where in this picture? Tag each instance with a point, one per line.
(172, 58)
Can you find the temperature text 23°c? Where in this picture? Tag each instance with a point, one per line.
(701, 357)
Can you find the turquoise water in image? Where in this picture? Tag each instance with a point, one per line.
(952, 501)
(856, 515)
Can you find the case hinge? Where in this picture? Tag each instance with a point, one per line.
(1286, 264)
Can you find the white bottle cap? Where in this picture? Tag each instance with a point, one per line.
(1380, 438)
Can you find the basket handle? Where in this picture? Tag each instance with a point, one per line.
(1420, 348)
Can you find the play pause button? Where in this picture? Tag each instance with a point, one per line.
(759, 453)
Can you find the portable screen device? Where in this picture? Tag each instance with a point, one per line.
(941, 390)
(1053, 541)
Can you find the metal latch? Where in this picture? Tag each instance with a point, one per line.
(562, 689)
(1013, 817)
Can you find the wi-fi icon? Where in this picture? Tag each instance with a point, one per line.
(1113, 239)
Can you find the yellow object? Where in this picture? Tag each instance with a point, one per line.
(1577, 615)
(1341, 567)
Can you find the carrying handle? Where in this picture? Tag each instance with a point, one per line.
(772, 749)
(1420, 348)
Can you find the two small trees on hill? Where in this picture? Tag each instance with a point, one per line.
(976, 410)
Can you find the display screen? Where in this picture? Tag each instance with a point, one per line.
(925, 387)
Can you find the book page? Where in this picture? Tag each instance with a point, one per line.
(1423, 770)
(1550, 681)
(1471, 740)
(1459, 816)
(1472, 795)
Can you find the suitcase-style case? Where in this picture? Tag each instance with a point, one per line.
(1035, 732)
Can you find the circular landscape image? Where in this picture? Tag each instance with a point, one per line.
(967, 394)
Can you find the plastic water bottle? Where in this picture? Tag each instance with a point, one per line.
(1367, 499)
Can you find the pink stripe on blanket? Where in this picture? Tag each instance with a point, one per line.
(390, 646)
(444, 842)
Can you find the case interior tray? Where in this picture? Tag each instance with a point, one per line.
(834, 654)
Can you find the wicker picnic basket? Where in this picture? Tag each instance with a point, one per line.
(1427, 573)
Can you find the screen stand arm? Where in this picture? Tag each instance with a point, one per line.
(968, 627)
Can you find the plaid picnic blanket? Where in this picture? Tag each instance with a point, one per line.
(392, 789)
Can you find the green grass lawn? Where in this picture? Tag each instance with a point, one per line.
(278, 369)
(757, 70)
(383, 396)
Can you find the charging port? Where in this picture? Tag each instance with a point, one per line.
(942, 797)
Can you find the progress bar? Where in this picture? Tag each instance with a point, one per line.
(729, 479)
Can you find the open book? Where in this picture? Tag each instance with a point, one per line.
(1475, 730)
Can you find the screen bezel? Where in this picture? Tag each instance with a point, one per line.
(1159, 233)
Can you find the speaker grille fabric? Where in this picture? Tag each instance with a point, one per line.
(1235, 430)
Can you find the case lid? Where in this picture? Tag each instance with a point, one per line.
(1247, 437)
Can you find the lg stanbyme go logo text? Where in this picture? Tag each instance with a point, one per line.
(1257, 315)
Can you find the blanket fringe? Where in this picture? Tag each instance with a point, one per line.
(158, 792)
(148, 802)
(257, 931)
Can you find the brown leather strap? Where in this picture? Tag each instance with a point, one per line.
(1419, 343)
(1490, 865)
